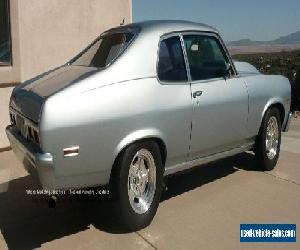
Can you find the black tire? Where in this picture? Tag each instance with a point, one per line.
(130, 219)
(267, 163)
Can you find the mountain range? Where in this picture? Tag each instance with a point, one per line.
(293, 38)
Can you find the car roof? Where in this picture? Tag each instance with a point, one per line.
(161, 25)
(167, 26)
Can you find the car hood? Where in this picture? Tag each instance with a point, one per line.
(245, 68)
(29, 97)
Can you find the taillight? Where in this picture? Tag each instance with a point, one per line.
(33, 135)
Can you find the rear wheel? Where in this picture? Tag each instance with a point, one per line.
(138, 184)
(268, 141)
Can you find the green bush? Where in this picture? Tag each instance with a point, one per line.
(296, 91)
(278, 63)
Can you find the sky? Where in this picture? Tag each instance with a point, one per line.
(235, 19)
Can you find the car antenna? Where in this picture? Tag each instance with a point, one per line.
(123, 22)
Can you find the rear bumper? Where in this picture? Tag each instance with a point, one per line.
(30, 155)
(287, 122)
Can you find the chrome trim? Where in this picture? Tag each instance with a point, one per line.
(272, 138)
(286, 125)
(141, 183)
(186, 60)
(207, 159)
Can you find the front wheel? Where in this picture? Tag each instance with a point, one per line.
(138, 184)
(268, 141)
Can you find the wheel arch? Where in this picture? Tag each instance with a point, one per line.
(276, 103)
(138, 136)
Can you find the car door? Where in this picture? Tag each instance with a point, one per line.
(219, 97)
(175, 107)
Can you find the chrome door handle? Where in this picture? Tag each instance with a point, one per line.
(197, 94)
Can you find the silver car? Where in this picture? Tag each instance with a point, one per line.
(141, 102)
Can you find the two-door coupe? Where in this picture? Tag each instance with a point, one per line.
(141, 102)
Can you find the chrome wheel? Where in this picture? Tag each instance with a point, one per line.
(141, 181)
(272, 138)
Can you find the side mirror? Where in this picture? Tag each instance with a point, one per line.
(227, 71)
(224, 71)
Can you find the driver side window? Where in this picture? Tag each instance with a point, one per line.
(206, 57)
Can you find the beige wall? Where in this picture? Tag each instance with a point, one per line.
(48, 33)
(53, 31)
(9, 74)
(4, 115)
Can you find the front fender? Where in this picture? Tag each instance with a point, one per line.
(275, 100)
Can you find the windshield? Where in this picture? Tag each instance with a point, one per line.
(104, 50)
